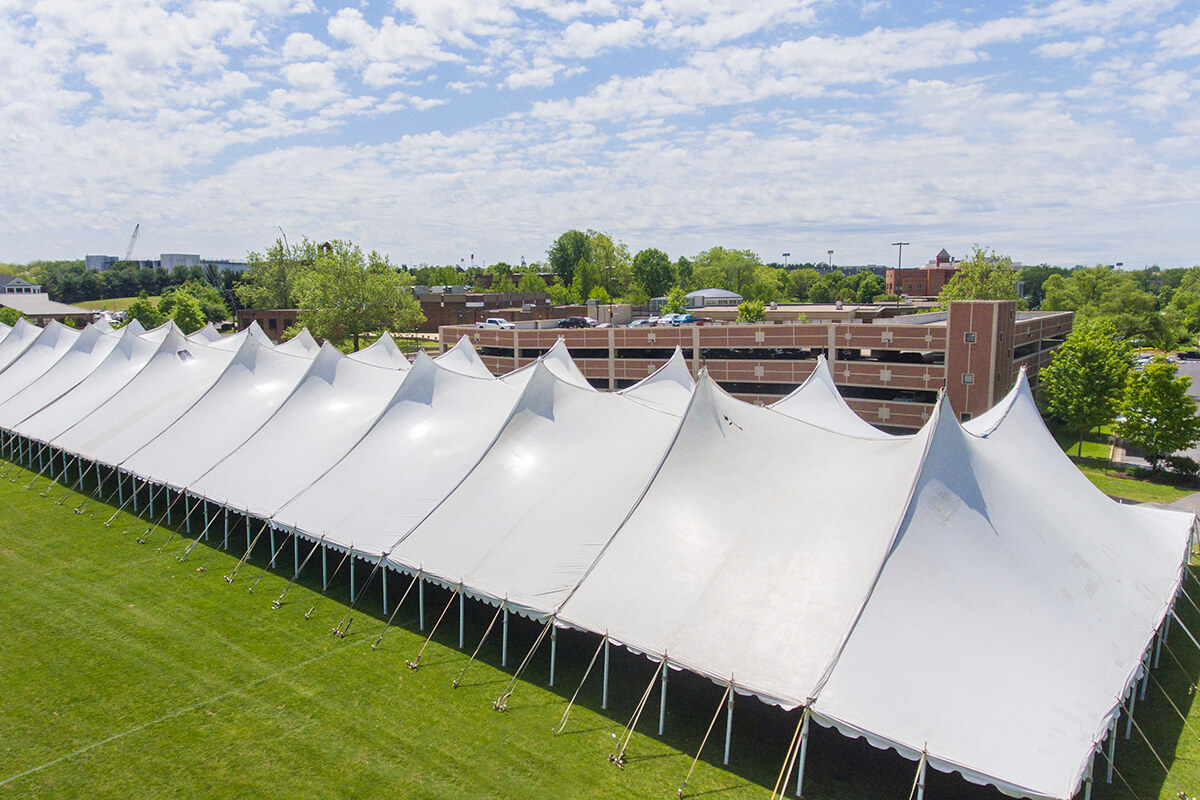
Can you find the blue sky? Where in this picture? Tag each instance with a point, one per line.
(1063, 132)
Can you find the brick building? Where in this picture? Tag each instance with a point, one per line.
(924, 281)
(273, 321)
(889, 370)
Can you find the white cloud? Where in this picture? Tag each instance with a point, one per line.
(584, 40)
(303, 46)
(1181, 41)
(1070, 49)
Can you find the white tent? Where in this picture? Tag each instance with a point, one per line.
(257, 382)
(206, 335)
(4, 329)
(22, 335)
(302, 344)
(463, 358)
(818, 401)
(557, 359)
(1011, 612)
(668, 389)
(383, 353)
(50, 345)
(336, 403)
(87, 352)
(525, 524)
(178, 375)
(434, 429)
(123, 362)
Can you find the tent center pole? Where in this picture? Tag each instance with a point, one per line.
(604, 691)
(728, 727)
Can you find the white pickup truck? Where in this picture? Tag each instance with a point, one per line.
(495, 322)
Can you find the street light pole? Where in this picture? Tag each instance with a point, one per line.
(785, 258)
(830, 260)
(899, 261)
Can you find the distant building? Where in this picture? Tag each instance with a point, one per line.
(924, 281)
(166, 261)
(39, 309)
(11, 285)
(712, 297)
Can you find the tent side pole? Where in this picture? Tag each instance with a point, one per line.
(421, 604)
(1087, 782)
(504, 640)
(1157, 647)
(1132, 703)
(352, 560)
(921, 779)
(1145, 675)
(272, 564)
(120, 490)
(383, 580)
(803, 755)
(728, 727)
(462, 619)
(604, 692)
(1112, 747)
(226, 512)
(662, 698)
(324, 569)
(553, 651)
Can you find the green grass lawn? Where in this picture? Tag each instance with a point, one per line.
(1095, 464)
(127, 673)
(112, 304)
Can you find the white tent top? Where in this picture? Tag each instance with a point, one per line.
(669, 388)
(557, 359)
(463, 358)
(22, 335)
(383, 353)
(133, 325)
(817, 401)
(4, 329)
(206, 335)
(103, 325)
(256, 383)
(123, 362)
(524, 525)
(160, 333)
(50, 345)
(89, 349)
(302, 343)
(171, 382)
(336, 403)
(435, 428)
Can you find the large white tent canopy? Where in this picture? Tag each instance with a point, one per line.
(962, 594)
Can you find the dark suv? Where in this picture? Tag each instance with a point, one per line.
(576, 322)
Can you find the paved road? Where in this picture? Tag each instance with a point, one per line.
(1192, 370)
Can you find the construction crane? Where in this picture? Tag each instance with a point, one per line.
(132, 241)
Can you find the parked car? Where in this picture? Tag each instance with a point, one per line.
(496, 322)
(701, 321)
(577, 322)
(670, 320)
(1189, 355)
(905, 397)
(644, 323)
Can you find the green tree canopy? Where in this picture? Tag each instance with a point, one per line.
(212, 304)
(144, 311)
(184, 309)
(870, 286)
(652, 271)
(984, 275)
(344, 294)
(612, 261)
(9, 316)
(532, 282)
(676, 301)
(1082, 387)
(751, 311)
(1159, 417)
(1184, 301)
(1112, 295)
(801, 281)
(587, 277)
(567, 252)
(271, 279)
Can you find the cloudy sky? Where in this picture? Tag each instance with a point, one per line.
(1065, 132)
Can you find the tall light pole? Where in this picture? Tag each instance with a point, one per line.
(785, 258)
(830, 260)
(899, 261)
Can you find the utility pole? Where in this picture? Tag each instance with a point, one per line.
(899, 262)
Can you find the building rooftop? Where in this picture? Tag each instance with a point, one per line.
(39, 304)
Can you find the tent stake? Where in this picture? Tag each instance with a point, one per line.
(278, 601)
(562, 723)
(395, 611)
(416, 663)
(617, 757)
(108, 523)
(336, 570)
(348, 617)
(712, 723)
(170, 535)
(728, 727)
(192, 546)
(282, 545)
(501, 703)
(463, 671)
(233, 575)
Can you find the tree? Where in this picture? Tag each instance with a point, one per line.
(870, 286)
(532, 282)
(561, 295)
(984, 275)
(827, 287)
(600, 294)
(1082, 387)
(270, 280)
(676, 301)
(185, 310)
(144, 311)
(611, 259)
(587, 277)
(1113, 295)
(751, 311)
(9, 316)
(1159, 415)
(685, 274)
(567, 252)
(801, 281)
(211, 303)
(1034, 278)
(345, 294)
(652, 271)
